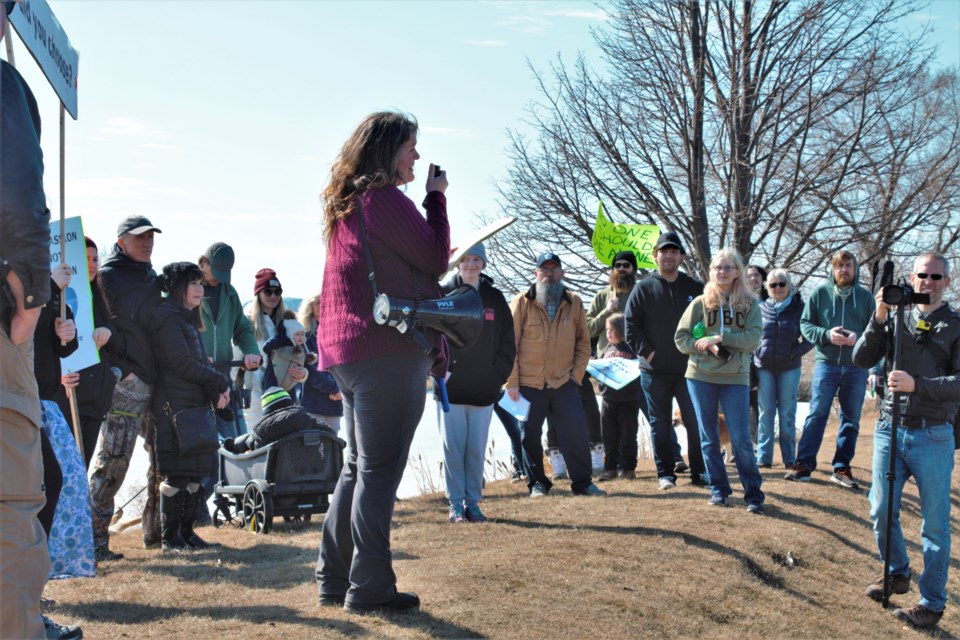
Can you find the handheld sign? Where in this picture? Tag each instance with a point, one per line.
(610, 238)
(48, 44)
(477, 237)
(77, 294)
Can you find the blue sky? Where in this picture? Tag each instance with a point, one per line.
(219, 119)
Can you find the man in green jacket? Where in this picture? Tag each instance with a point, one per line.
(225, 325)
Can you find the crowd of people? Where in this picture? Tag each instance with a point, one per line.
(170, 341)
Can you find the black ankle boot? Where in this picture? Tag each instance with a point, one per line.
(171, 510)
(191, 539)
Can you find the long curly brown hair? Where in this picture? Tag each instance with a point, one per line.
(368, 160)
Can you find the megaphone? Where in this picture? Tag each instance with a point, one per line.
(458, 315)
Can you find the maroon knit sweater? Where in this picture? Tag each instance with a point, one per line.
(400, 241)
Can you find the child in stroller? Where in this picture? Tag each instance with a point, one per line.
(280, 418)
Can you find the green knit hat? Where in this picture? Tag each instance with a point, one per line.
(275, 398)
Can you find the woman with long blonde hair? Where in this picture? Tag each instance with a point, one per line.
(381, 372)
(719, 331)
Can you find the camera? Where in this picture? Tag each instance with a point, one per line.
(903, 294)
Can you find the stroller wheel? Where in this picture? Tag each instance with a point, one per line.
(257, 509)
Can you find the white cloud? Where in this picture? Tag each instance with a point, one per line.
(452, 132)
(158, 146)
(526, 24)
(124, 126)
(486, 43)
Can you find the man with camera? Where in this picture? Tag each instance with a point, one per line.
(927, 387)
(835, 316)
(553, 348)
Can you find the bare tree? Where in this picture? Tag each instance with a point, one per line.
(786, 131)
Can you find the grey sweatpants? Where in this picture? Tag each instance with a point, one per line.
(383, 401)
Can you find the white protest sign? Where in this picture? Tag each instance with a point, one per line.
(48, 43)
(78, 295)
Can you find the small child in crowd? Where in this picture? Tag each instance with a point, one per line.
(284, 350)
(619, 409)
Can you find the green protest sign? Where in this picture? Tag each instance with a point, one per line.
(610, 238)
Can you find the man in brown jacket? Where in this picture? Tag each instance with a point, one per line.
(553, 347)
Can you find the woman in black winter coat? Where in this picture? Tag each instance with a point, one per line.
(93, 385)
(778, 368)
(185, 380)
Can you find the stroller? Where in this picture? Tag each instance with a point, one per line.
(291, 477)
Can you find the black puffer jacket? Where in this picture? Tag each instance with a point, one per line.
(282, 422)
(47, 347)
(932, 357)
(184, 380)
(132, 294)
(478, 373)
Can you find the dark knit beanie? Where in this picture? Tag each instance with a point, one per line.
(629, 256)
(275, 398)
(265, 278)
(177, 272)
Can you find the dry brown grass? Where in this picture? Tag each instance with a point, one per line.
(640, 563)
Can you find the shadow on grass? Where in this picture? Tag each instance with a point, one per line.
(431, 625)
(128, 613)
(749, 564)
(215, 565)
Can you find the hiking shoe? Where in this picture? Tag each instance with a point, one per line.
(56, 631)
(330, 600)
(717, 501)
(844, 478)
(591, 490)
(474, 514)
(899, 584)
(628, 474)
(456, 514)
(607, 475)
(700, 480)
(539, 490)
(798, 473)
(755, 508)
(103, 554)
(919, 616)
(400, 603)
(667, 483)
(680, 466)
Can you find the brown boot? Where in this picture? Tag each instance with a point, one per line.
(899, 584)
(628, 474)
(919, 616)
(608, 474)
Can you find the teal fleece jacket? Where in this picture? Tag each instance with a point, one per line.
(741, 335)
(827, 309)
(230, 327)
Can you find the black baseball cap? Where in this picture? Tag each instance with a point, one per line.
(669, 239)
(221, 259)
(549, 256)
(135, 225)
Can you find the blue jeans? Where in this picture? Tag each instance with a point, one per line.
(659, 390)
(734, 399)
(849, 384)
(777, 394)
(925, 453)
(464, 430)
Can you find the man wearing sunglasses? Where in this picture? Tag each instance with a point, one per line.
(927, 385)
(836, 314)
(129, 283)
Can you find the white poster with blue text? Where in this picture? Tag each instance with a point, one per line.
(46, 40)
(77, 293)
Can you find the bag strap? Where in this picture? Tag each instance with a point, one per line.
(371, 275)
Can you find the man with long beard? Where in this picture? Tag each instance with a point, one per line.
(553, 348)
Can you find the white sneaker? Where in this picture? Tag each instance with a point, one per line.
(558, 464)
(667, 483)
(596, 457)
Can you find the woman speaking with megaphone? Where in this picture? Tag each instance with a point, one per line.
(375, 235)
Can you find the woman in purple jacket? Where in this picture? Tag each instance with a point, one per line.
(381, 373)
(778, 368)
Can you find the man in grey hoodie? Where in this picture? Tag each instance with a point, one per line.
(836, 314)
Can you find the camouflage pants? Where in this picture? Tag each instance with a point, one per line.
(129, 417)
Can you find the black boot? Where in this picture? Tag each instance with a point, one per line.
(189, 518)
(171, 511)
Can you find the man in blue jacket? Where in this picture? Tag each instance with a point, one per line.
(836, 314)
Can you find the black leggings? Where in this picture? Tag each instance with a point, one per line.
(52, 483)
